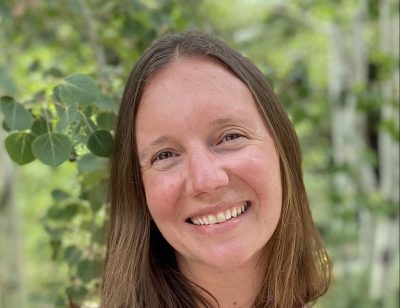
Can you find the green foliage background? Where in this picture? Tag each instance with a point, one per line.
(62, 71)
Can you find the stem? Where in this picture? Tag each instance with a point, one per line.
(86, 121)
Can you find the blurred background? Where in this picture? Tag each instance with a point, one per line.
(333, 63)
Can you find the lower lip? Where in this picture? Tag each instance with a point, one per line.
(225, 226)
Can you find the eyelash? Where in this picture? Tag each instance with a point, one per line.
(235, 135)
(162, 153)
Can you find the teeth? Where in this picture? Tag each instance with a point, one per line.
(212, 219)
(221, 216)
(234, 212)
(228, 214)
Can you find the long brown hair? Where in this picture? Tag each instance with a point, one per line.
(141, 269)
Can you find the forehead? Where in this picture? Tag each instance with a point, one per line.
(193, 76)
(192, 90)
(202, 72)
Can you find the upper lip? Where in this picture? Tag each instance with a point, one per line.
(215, 209)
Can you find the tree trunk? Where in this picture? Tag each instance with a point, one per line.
(349, 69)
(384, 272)
(11, 287)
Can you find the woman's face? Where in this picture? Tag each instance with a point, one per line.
(209, 166)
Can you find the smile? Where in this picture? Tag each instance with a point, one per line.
(221, 216)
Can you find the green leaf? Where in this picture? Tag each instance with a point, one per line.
(77, 293)
(89, 269)
(59, 194)
(79, 138)
(90, 126)
(99, 235)
(18, 146)
(15, 115)
(68, 115)
(98, 196)
(90, 162)
(106, 103)
(87, 225)
(100, 143)
(107, 120)
(56, 93)
(77, 89)
(5, 126)
(60, 109)
(40, 127)
(55, 72)
(64, 213)
(72, 254)
(52, 148)
(88, 111)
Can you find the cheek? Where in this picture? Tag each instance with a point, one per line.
(264, 177)
(162, 193)
(262, 172)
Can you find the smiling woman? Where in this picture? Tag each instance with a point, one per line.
(216, 159)
(208, 206)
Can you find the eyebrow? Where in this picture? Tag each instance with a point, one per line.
(223, 121)
(154, 143)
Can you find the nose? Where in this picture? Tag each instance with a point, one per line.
(204, 173)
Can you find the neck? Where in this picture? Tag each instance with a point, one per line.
(235, 286)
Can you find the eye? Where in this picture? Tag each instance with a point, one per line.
(230, 137)
(163, 156)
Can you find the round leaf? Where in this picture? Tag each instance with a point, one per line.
(18, 146)
(89, 163)
(52, 148)
(89, 269)
(68, 116)
(15, 115)
(107, 120)
(100, 143)
(39, 127)
(72, 254)
(79, 89)
(106, 103)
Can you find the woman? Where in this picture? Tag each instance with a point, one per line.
(208, 206)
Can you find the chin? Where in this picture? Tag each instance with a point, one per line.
(231, 258)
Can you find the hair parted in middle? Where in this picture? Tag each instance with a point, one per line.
(141, 269)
